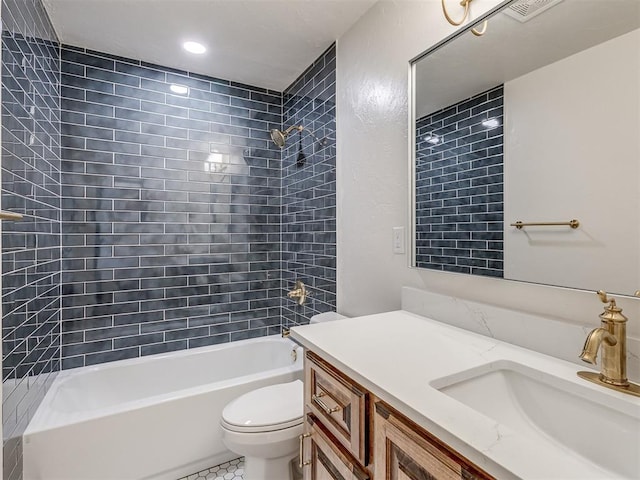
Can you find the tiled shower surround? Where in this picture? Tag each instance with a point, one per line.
(184, 224)
(459, 187)
(30, 247)
(171, 210)
(154, 221)
(309, 191)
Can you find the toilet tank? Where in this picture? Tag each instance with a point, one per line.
(326, 317)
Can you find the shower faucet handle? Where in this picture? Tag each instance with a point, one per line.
(299, 292)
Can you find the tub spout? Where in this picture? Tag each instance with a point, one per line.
(593, 342)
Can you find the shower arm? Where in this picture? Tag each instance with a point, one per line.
(300, 128)
(291, 128)
(321, 141)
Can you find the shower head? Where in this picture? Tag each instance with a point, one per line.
(279, 137)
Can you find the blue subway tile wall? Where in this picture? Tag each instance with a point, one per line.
(171, 209)
(309, 191)
(31, 248)
(459, 187)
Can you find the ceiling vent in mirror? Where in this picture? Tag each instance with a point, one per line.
(525, 10)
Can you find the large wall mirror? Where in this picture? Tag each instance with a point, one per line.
(536, 121)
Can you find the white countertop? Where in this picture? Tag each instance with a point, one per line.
(396, 355)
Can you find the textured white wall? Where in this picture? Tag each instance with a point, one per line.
(571, 142)
(373, 175)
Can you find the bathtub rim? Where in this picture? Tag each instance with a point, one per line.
(46, 418)
(176, 354)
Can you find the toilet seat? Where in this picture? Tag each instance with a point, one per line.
(267, 409)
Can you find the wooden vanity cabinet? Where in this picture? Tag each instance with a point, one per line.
(405, 451)
(352, 435)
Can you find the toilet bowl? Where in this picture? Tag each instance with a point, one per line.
(264, 425)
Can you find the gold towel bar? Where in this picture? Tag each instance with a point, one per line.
(571, 223)
(4, 215)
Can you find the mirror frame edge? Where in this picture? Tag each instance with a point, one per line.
(412, 167)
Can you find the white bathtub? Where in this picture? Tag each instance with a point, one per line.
(155, 417)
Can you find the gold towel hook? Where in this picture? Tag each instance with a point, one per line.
(466, 4)
(479, 33)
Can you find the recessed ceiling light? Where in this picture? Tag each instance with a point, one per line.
(194, 47)
(179, 89)
(491, 123)
(432, 138)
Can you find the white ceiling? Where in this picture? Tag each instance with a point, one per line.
(266, 43)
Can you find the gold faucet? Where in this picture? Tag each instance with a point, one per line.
(299, 292)
(611, 339)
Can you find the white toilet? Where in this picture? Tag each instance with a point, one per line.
(264, 424)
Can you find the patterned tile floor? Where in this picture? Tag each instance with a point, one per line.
(232, 470)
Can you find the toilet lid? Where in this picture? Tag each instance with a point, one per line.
(269, 408)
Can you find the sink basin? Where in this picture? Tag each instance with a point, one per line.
(602, 428)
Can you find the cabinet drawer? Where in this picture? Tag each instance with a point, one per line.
(339, 403)
(324, 459)
(403, 450)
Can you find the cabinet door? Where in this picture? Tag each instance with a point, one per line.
(327, 459)
(404, 451)
(339, 403)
